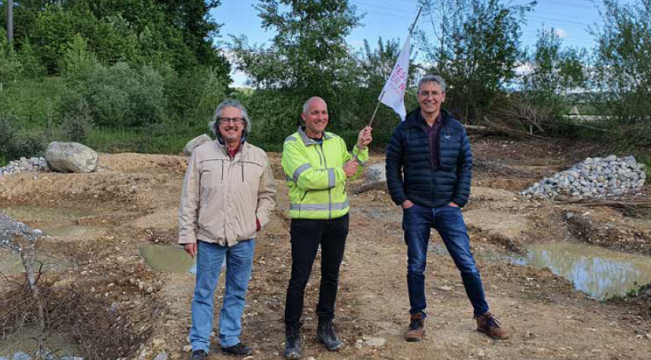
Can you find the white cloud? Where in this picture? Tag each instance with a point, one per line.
(561, 33)
(524, 69)
(356, 43)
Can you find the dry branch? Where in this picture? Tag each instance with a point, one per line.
(611, 203)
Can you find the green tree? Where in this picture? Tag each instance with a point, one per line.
(10, 66)
(623, 61)
(32, 68)
(554, 70)
(475, 47)
(308, 55)
(183, 32)
(78, 63)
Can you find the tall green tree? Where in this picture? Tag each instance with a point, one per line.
(475, 46)
(10, 66)
(555, 70)
(622, 73)
(308, 56)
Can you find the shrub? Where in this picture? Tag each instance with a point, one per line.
(525, 115)
(274, 115)
(10, 66)
(118, 95)
(77, 123)
(31, 68)
(193, 95)
(15, 142)
(7, 133)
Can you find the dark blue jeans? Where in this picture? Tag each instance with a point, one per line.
(448, 221)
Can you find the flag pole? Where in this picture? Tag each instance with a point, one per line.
(411, 29)
(376, 107)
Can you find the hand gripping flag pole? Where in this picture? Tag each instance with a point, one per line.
(393, 93)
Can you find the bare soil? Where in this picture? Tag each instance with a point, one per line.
(134, 198)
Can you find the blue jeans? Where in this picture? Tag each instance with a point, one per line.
(448, 221)
(238, 272)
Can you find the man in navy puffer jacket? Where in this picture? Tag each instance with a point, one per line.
(429, 170)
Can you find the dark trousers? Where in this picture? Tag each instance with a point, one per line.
(306, 236)
(448, 221)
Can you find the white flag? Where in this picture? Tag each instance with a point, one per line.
(393, 94)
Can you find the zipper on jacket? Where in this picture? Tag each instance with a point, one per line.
(222, 170)
(242, 166)
(325, 165)
(318, 153)
(441, 135)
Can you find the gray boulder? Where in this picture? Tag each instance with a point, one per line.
(194, 143)
(71, 157)
(376, 173)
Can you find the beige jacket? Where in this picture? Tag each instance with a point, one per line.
(222, 197)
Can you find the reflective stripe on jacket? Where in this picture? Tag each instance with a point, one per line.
(222, 197)
(315, 175)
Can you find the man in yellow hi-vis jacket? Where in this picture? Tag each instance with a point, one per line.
(317, 166)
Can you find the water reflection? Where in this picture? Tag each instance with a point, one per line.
(166, 258)
(594, 270)
(24, 342)
(11, 264)
(599, 272)
(56, 222)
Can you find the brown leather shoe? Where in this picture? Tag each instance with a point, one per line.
(416, 329)
(490, 326)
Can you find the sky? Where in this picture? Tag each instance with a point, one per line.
(390, 19)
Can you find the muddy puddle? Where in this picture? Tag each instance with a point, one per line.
(11, 264)
(56, 222)
(24, 343)
(594, 270)
(172, 259)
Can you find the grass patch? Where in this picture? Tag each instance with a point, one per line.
(646, 160)
(3, 161)
(33, 100)
(151, 139)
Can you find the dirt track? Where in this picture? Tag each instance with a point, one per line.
(134, 198)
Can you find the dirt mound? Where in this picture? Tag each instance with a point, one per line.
(143, 163)
(135, 198)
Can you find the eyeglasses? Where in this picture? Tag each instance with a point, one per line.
(427, 94)
(234, 120)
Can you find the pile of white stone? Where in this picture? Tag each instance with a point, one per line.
(24, 164)
(593, 178)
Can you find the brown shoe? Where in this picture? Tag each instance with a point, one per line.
(490, 326)
(416, 329)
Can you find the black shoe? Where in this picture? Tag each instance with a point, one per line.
(326, 334)
(238, 349)
(292, 342)
(199, 355)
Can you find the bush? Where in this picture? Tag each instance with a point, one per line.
(15, 142)
(78, 63)
(193, 95)
(10, 66)
(118, 95)
(274, 116)
(77, 123)
(31, 68)
(525, 115)
(7, 133)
